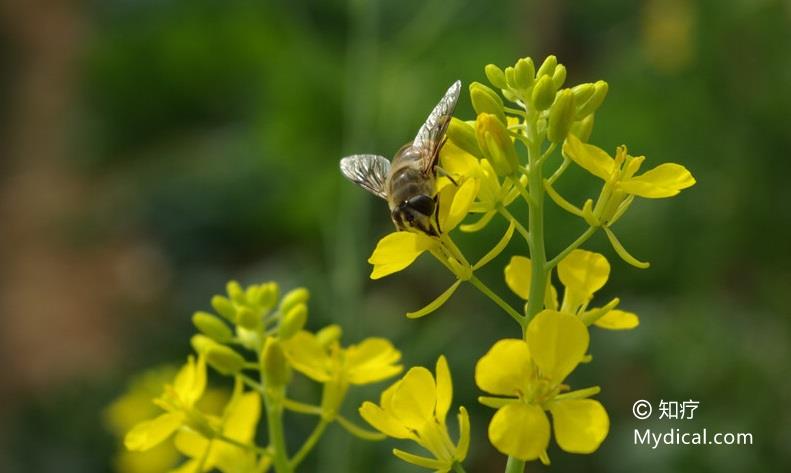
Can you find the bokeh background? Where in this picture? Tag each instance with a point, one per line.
(153, 149)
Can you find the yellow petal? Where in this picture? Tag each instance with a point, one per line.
(457, 162)
(517, 276)
(665, 180)
(580, 424)
(520, 430)
(372, 360)
(444, 389)
(583, 273)
(558, 341)
(414, 400)
(453, 212)
(505, 368)
(618, 320)
(306, 354)
(190, 382)
(398, 250)
(242, 417)
(149, 433)
(464, 435)
(382, 421)
(591, 158)
(190, 443)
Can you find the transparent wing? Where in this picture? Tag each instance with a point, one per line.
(369, 171)
(430, 135)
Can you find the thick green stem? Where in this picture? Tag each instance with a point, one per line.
(277, 440)
(538, 257)
(514, 465)
(311, 441)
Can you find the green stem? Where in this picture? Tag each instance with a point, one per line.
(274, 422)
(310, 442)
(458, 468)
(538, 257)
(236, 443)
(520, 319)
(514, 465)
(519, 227)
(576, 244)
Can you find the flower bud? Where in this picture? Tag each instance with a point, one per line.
(510, 77)
(293, 321)
(548, 66)
(561, 116)
(582, 92)
(582, 129)
(224, 359)
(277, 372)
(235, 291)
(496, 145)
(462, 134)
(293, 297)
(524, 73)
(543, 93)
(268, 294)
(248, 319)
(252, 294)
(329, 335)
(212, 326)
(485, 100)
(224, 307)
(201, 343)
(559, 76)
(600, 89)
(495, 75)
(510, 96)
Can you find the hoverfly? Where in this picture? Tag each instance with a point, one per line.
(407, 183)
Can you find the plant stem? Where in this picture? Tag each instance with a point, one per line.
(538, 257)
(520, 319)
(514, 465)
(458, 468)
(310, 442)
(274, 422)
(576, 244)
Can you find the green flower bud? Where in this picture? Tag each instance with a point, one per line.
(582, 129)
(496, 144)
(329, 335)
(252, 294)
(600, 89)
(212, 326)
(543, 93)
(248, 319)
(235, 291)
(548, 66)
(277, 372)
(293, 321)
(292, 298)
(223, 306)
(224, 360)
(462, 134)
(524, 73)
(561, 116)
(559, 76)
(268, 295)
(510, 96)
(201, 343)
(510, 77)
(486, 100)
(583, 92)
(495, 75)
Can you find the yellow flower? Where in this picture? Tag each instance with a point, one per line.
(415, 408)
(621, 182)
(529, 375)
(398, 250)
(370, 361)
(238, 423)
(582, 274)
(178, 401)
(491, 194)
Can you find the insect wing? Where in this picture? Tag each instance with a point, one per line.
(369, 171)
(430, 135)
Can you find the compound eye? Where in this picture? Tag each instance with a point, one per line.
(422, 203)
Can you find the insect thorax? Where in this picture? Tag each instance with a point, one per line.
(407, 179)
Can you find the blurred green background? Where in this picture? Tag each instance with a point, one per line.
(151, 150)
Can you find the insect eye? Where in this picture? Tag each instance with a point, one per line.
(422, 203)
